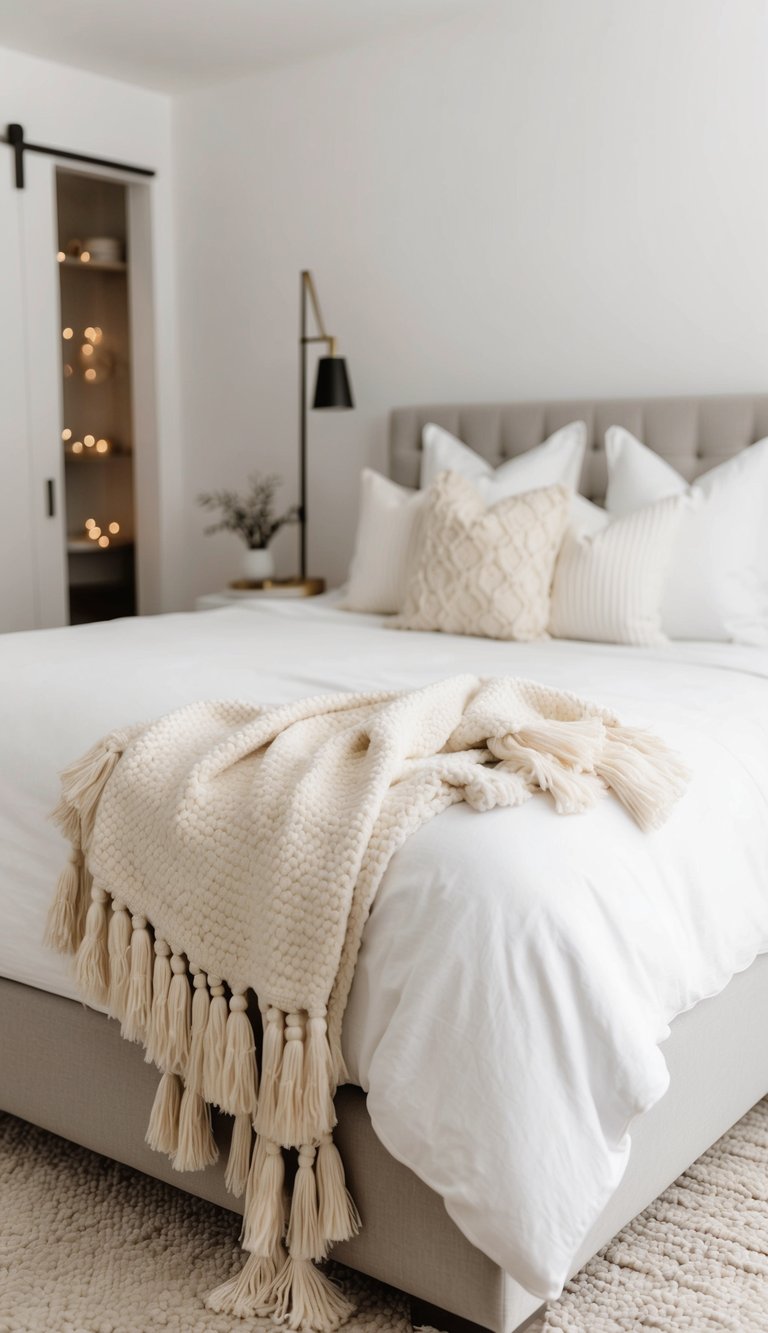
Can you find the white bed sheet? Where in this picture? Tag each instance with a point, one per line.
(519, 970)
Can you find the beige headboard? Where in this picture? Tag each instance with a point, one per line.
(693, 434)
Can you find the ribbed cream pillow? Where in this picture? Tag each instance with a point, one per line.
(485, 571)
(609, 585)
(387, 532)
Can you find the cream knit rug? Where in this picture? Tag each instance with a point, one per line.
(87, 1246)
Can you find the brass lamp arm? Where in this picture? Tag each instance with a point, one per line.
(322, 336)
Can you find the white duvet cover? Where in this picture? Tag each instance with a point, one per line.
(519, 969)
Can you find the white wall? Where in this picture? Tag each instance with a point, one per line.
(82, 112)
(544, 197)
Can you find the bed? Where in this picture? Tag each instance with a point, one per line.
(630, 1040)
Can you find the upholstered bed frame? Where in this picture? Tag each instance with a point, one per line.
(52, 1049)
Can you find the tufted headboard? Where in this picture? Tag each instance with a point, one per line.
(693, 434)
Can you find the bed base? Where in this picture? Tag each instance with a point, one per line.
(65, 1067)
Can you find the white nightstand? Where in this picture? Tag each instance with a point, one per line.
(290, 588)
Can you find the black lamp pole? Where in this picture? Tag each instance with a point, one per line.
(332, 390)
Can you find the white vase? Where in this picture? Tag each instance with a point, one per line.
(258, 565)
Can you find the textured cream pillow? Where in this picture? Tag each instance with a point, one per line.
(609, 582)
(485, 571)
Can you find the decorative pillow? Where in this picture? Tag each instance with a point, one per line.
(718, 578)
(609, 580)
(387, 531)
(558, 460)
(485, 570)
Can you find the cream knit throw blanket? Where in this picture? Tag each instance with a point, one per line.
(228, 849)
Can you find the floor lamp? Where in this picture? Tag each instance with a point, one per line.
(332, 391)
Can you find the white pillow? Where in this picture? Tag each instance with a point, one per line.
(556, 462)
(610, 577)
(718, 577)
(387, 529)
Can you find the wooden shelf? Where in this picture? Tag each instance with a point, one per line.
(100, 265)
(92, 454)
(84, 545)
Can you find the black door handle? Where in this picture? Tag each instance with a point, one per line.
(50, 497)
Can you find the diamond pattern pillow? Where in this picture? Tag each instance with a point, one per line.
(485, 571)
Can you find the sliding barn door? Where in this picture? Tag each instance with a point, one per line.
(32, 534)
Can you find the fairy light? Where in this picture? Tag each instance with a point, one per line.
(67, 371)
(67, 333)
(66, 434)
(87, 349)
(94, 533)
(96, 335)
(102, 446)
(90, 374)
(89, 441)
(85, 257)
(90, 523)
(61, 256)
(77, 447)
(103, 541)
(114, 528)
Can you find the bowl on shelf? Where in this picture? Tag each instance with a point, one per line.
(104, 249)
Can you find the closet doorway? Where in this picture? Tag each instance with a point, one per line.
(79, 467)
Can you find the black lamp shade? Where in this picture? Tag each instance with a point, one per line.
(332, 388)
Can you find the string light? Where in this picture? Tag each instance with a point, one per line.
(114, 528)
(61, 256)
(102, 446)
(66, 434)
(103, 541)
(67, 371)
(94, 533)
(90, 374)
(67, 333)
(77, 447)
(85, 257)
(90, 523)
(93, 333)
(87, 349)
(89, 441)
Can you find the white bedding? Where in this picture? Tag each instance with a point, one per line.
(519, 970)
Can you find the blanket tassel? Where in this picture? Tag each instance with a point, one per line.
(264, 1211)
(119, 949)
(179, 1016)
(163, 1129)
(215, 1044)
(240, 1081)
(247, 1294)
(64, 927)
(196, 1147)
(92, 961)
(157, 1028)
(139, 1007)
(273, 1022)
(303, 1298)
(337, 1212)
(236, 1176)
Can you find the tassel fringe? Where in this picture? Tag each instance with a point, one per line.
(239, 1075)
(338, 1217)
(304, 1299)
(157, 1030)
(135, 1025)
(304, 1239)
(200, 1007)
(119, 950)
(92, 961)
(236, 1176)
(215, 1044)
(179, 1017)
(247, 1295)
(66, 917)
(273, 1021)
(264, 1211)
(196, 1147)
(163, 1129)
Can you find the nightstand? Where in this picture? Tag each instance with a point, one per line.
(290, 588)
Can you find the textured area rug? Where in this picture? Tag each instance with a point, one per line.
(87, 1246)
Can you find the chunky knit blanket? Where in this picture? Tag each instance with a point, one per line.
(228, 851)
